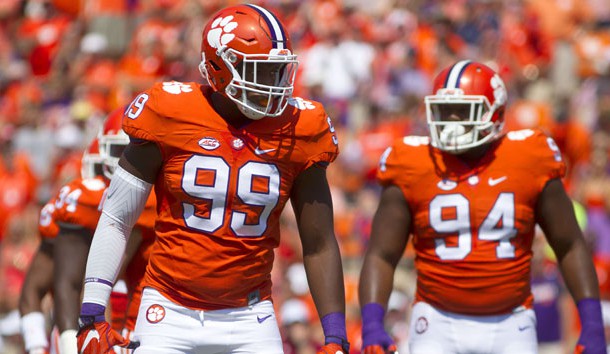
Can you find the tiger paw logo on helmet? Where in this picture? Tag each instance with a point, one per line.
(219, 34)
(155, 313)
(500, 93)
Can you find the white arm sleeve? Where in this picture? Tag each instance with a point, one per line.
(125, 200)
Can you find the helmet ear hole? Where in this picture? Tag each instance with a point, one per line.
(500, 112)
(214, 65)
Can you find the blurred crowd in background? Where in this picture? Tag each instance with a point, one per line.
(64, 64)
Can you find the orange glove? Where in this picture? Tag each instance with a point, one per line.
(378, 349)
(332, 348)
(95, 336)
(99, 338)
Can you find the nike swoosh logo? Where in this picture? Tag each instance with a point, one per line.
(521, 329)
(90, 337)
(494, 181)
(262, 319)
(258, 151)
(110, 193)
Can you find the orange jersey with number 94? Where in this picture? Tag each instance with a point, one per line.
(221, 190)
(473, 225)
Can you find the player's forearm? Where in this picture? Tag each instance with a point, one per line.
(70, 257)
(67, 308)
(376, 280)
(39, 279)
(104, 261)
(124, 203)
(578, 271)
(31, 298)
(325, 277)
(38, 282)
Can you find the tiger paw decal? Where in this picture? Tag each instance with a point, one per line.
(220, 33)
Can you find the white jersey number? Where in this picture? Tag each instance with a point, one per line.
(216, 194)
(69, 198)
(499, 225)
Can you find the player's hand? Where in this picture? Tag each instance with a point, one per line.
(581, 349)
(378, 349)
(375, 339)
(332, 348)
(95, 336)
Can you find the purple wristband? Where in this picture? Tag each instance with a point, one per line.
(96, 311)
(592, 332)
(373, 330)
(372, 316)
(333, 326)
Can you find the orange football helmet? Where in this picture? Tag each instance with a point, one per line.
(113, 141)
(246, 54)
(467, 107)
(91, 163)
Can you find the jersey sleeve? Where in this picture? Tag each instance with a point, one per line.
(544, 159)
(320, 145)
(396, 165)
(155, 114)
(47, 227)
(142, 119)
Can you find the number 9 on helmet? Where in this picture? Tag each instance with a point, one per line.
(466, 109)
(247, 56)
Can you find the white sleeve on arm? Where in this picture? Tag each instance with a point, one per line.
(125, 200)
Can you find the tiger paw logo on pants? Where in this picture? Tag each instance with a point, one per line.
(220, 34)
(155, 313)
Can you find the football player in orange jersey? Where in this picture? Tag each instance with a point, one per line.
(77, 213)
(224, 159)
(38, 282)
(471, 197)
(39, 279)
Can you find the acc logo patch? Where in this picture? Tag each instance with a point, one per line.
(446, 184)
(155, 313)
(421, 325)
(209, 143)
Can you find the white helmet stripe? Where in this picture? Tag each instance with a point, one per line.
(277, 32)
(453, 79)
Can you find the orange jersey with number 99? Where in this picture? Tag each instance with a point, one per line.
(221, 191)
(473, 225)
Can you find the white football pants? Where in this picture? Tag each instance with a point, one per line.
(165, 327)
(439, 332)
